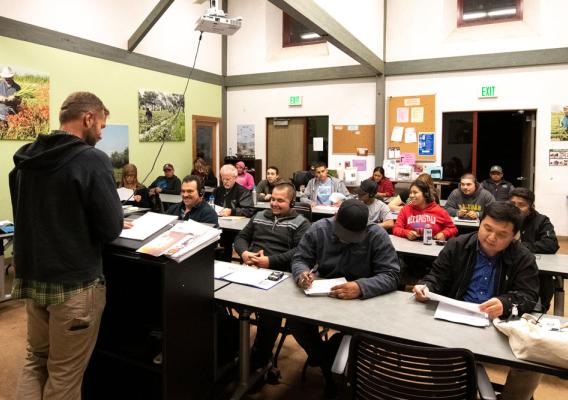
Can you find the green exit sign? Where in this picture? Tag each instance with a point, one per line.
(488, 92)
(295, 101)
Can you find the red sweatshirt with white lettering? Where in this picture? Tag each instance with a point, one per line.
(412, 218)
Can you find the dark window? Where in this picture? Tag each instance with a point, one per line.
(296, 34)
(478, 12)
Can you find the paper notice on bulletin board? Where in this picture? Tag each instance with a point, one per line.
(402, 114)
(318, 144)
(408, 158)
(426, 143)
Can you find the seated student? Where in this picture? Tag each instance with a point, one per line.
(379, 212)
(244, 178)
(192, 205)
(235, 199)
(496, 185)
(492, 269)
(264, 188)
(167, 184)
(269, 241)
(537, 235)
(385, 188)
(469, 200)
(320, 188)
(342, 246)
(203, 170)
(423, 210)
(402, 199)
(141, 197)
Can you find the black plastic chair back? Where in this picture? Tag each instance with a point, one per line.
(381, 369)
(304, 209)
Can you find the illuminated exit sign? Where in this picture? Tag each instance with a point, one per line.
(295, 101)
(488, 92)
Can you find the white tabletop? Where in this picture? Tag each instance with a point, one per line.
(327, 210)
(263, 205)
(233, 223)
(394, 314)
(170, 198)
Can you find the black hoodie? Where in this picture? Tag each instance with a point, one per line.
(65, 208)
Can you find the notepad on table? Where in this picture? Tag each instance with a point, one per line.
(322, 287)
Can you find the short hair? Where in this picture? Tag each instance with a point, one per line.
(469, 175)
(425, 189)
(523, 193)
(289, 188)
(229, 169)
(504, 211)
(78, 103)
(274, 168)
(194, 178)
(320, 164)
(380, 169)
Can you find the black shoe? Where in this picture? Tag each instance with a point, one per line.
(273, 376)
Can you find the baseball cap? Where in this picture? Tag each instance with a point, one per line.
(496, 168)
(368, 186)
(350, 222)
(168, 166)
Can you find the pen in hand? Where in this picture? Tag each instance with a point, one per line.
(306, 279)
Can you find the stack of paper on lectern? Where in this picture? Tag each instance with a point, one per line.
(322, 287)
(459, 311)
(252, 276)
(147, 225)
(182, 241)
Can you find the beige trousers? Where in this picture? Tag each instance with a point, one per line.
(61, 339)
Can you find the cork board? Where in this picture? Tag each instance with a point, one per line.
(408, 118)
(347, 138)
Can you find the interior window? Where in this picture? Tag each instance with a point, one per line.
(478, 12)
(296, 34)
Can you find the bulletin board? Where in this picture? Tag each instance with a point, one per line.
(347, 138)
(412, 125)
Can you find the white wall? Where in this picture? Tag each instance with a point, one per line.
(113, 22)
(257, 46)
(346, 102)
(419, 29)
(518, 88)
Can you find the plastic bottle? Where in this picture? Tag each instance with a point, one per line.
(211, 201)
(427, 238)
(254, 195)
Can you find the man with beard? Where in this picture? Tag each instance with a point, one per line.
(469, 200)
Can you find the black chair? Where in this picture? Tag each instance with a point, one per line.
(381, 369)
(304, 209)
(301, 178)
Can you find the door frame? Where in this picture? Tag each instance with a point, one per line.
(195, 119)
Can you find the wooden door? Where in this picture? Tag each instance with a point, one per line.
(205, 139)
(286, 146)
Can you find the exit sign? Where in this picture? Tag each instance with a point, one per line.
(295, 101)
(488, 92)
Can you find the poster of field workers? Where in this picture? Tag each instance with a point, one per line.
(161, 116)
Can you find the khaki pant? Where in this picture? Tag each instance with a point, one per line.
(61, 339)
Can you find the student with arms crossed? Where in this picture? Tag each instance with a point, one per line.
(492, 269)
(469, 200)
(269, 241)
(537, 235)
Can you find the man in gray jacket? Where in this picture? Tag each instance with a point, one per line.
(320, 188)
(342, 246)
(469, 200)
(269, 241)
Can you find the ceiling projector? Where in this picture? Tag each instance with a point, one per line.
(216, 21)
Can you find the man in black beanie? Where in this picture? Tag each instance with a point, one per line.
(342, 246)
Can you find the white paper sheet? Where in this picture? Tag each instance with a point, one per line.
(410, 135)
(125, 194)
(462, 312)
(252, 276)
(223, 268)
(147, 225)
(417, 115)
(322, 287)
(396, 135)
(318, 144)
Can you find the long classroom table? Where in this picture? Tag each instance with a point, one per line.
(394, 315)
(548, 264)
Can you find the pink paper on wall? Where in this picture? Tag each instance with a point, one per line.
(361, 165)
(408, 158)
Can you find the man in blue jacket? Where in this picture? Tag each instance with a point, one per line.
(342, 246)
(58, 246)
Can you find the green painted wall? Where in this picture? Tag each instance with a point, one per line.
(117, 85)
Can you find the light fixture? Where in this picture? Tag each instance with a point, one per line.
(474, 15)
(309, 35)
(502, 12)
